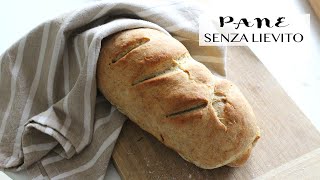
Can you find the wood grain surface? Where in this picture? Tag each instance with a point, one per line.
(306, 167)
(286, 133)
(315, 4)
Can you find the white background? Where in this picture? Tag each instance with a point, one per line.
(297, 70)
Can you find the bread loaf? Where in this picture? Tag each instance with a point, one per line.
(152, 79)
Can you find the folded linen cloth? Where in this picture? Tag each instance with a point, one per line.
(53, 121)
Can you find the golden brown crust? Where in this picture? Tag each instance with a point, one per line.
(153, 80)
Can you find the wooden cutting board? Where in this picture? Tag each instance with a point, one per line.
(286, 134)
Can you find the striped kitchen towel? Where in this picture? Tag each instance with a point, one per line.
(53, 122)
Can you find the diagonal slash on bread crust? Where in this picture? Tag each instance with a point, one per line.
(134, 45)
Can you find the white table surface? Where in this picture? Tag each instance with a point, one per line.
(298, 71)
